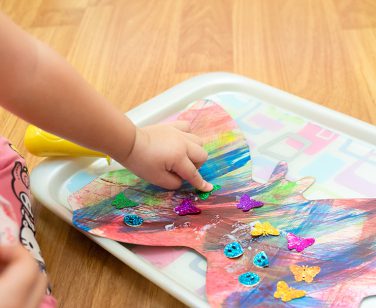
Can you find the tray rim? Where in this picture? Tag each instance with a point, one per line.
(174, 99)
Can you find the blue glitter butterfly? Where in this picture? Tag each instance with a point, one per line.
(249, 279)
(233, 250)
(261, 259)
(133, 220)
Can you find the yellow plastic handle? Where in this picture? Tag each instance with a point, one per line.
(40, 143)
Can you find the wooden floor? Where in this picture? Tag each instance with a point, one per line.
(132, 50)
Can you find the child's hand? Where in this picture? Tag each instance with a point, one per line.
(21, 282)
(167, 154)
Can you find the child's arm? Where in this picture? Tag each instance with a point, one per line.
(41, 87)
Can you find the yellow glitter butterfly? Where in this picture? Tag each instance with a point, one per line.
(264, 229)
(304, 273)
(286, 294)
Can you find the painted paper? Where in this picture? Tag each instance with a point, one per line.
(343, 229)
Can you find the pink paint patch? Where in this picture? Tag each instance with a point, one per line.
(316, 135)
(159, 256)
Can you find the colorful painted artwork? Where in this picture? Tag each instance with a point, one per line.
(344, 230)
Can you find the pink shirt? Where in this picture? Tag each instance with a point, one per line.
(16, 216)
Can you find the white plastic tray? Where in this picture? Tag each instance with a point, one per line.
(54, 179)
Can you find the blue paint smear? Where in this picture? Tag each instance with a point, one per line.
(263, 296)
(216, 169)
(225, 163)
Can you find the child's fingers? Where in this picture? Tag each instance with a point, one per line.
(196, 154)
(20, 276)
(187, 171)
(169, 181)
(184, 126)
(194, 138)
(39, 290)
(18, 261)
(198, 165)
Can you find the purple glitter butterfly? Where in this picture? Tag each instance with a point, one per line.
(186, 207)
(298, 243)
(246, 203)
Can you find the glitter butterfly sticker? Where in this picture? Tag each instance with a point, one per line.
(298, 243)
(203, 195)
(264, 229)
(249, 279)
(121, 201)
(286, 294)
(133, 220)
(305, 272)
(246, 203)
(186, 207)
(261, 259)
(233, 250)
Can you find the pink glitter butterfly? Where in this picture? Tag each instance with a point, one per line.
(246, 203)
(186, 207)
(298, 243)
